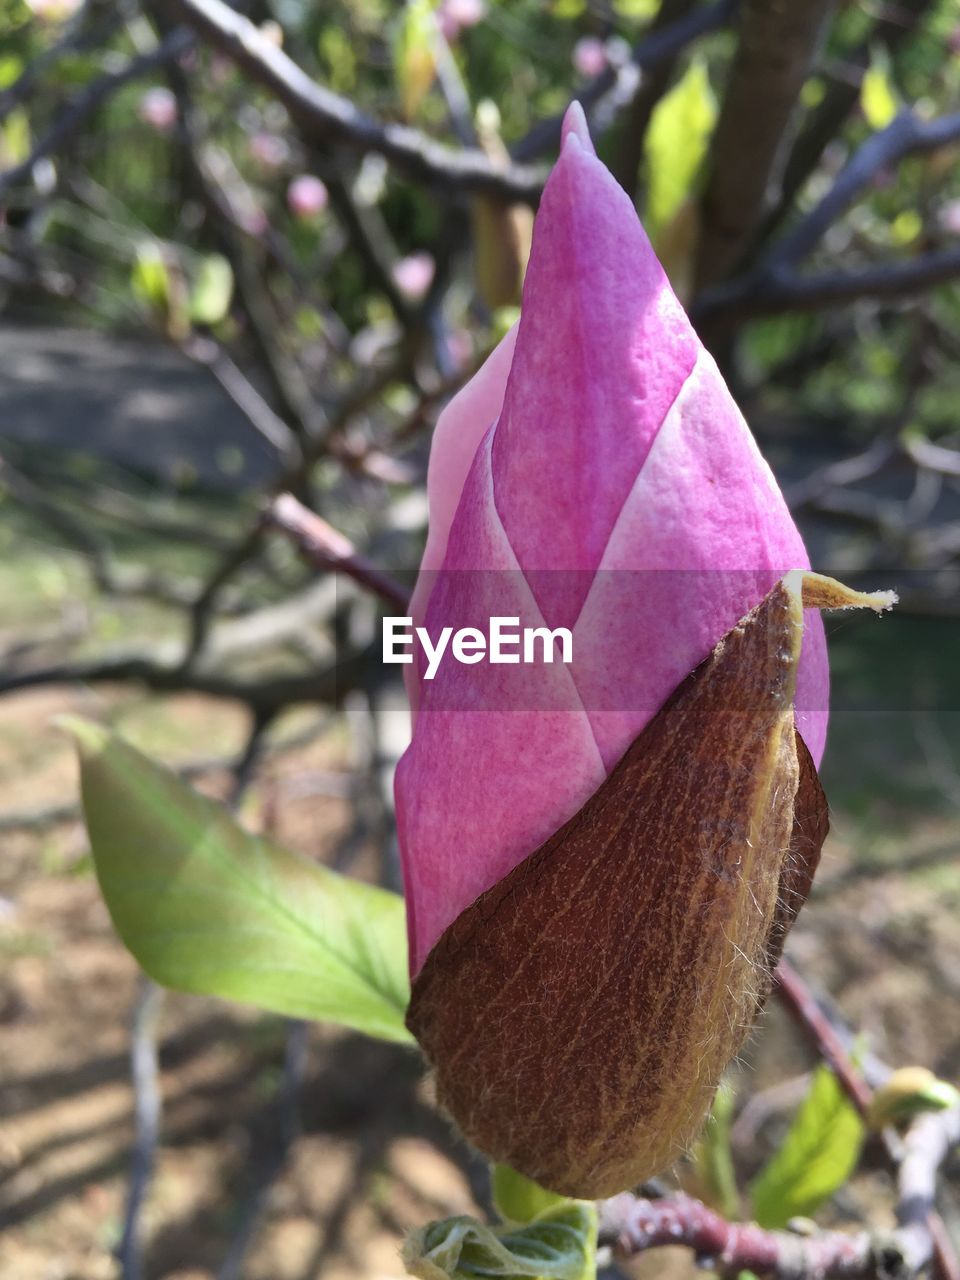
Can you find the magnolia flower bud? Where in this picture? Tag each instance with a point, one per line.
(158, 109)
(602, 859)
(307, 196)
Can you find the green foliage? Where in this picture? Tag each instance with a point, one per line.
(212, 290)
(561, 1244)
(816, 1157)
(519, 1199)
(414, 54)
(637, 10)
(713, 1157)
(149, 276)
(206, 907)
(878, 99)
(676, 144)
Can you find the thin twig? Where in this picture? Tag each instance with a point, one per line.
(632, 1226)
(324, 117)
(76, 112)
(145, 1077)
(329, 549)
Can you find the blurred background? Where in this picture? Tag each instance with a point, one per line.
(252, 250)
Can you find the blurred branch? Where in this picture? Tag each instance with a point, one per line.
(76, 112)
(616, 86)
(329, 549)
(905, 135)
(324, 117)
(147, 1108)
(272, 693)
(775, 51)
(74, 40)
(797, 997)
(287, 1129)
(894, 25)
(775, 285)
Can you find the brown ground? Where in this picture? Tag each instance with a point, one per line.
(373, 1158)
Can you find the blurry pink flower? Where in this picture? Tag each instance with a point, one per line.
(158, 109)
(953, 40)
(413, 275)
(270, 150)
(598, 440)
(454, 15)
(307, 196)
(589, 56)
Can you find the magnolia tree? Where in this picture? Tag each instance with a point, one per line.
(609, 812)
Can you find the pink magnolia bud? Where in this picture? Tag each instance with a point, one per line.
(307, 196)
(454, 15)
(158, 109)
(615, 447)
(413, 275)
(602, 856)
(589, 56)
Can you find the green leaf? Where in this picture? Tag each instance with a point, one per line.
(206, 907)
(149, 276)
(567, 10)
(878, 98)
(713, 1157)
(414, 54)
(212, 291)
(676, 144)
(520, 1199)
(561, 1244)
(637, 10)
(15, 138)
(819, 1153)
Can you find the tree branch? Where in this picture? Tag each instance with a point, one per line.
(323, 117)
(88, 100)
(632, 1226)
(775, 284)
(778, 39)
(329, 549)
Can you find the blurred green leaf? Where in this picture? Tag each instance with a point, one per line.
(817, 1156)
(569, 9)
(878, 98)
(520, 1199)
(208, 908)
(150, 276)
(638, 10)
(10, 68)
(414, 54)
(676, 143)
(713, 1157)
(15, 138)
(212, 291)
(560, 1245)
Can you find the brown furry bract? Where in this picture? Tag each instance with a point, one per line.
(579, 1014)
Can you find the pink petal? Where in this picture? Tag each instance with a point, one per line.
(602, 352)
